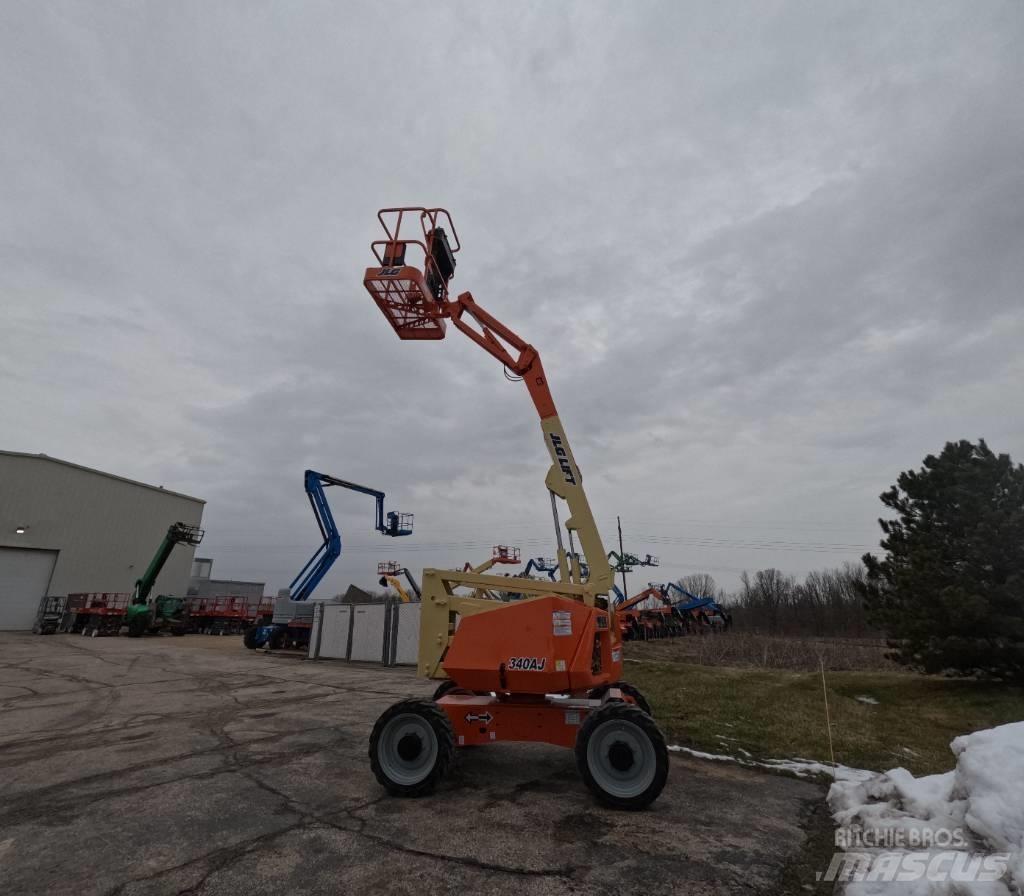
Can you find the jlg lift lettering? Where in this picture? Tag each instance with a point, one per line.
(563, 459)
(527, 663)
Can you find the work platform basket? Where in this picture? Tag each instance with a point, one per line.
(415, 263)
(502, 553)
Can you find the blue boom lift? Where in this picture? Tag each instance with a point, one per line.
(688, 601)
(394, 524)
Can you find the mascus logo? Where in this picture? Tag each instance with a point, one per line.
(563, 459)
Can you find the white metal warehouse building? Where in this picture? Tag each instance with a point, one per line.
(66, 529)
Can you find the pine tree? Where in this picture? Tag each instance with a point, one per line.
(949, 592)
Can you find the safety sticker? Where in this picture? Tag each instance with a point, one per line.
(559, 665)
(572, 717)
(561, 623)
(616, 655)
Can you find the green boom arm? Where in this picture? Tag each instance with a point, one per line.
(178, 533)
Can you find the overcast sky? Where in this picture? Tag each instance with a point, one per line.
(772, 254)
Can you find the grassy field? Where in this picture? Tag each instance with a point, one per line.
(740, 648)
(776, 713)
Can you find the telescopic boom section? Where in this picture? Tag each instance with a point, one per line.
(416, 302)
(177, 533)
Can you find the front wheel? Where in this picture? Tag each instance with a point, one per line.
(622, 757)
(411, 748)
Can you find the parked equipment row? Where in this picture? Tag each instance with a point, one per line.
(105, 613)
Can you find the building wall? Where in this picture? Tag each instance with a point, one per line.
(105, 529)
(203, 587)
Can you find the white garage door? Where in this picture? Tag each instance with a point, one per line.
(24, 578)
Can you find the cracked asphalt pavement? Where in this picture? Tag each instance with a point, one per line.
(191, 765)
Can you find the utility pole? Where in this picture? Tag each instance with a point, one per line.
(622, 553)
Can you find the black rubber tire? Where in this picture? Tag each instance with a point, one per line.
(277, 639)
(623, 713)
(626, 689)
(249, 638)
(444, 733)
(137, 627)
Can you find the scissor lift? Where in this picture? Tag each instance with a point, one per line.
(96, 613)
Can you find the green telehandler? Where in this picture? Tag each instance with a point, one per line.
(164, 613)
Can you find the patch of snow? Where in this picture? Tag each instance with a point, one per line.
(972, 816)
(804, 768)
(864, 698)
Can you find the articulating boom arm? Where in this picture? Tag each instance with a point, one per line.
(687, 600)
(417, 304)
(392, 523)
(412, 583)
(624, 562)
(649, 591)
(177, 533)
(304, 584)
(540, 564)
(394, 582)
(563, 478)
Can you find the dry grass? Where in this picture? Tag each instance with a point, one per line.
(748, 650)
(772, 713)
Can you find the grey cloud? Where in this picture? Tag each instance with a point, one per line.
(770, 258)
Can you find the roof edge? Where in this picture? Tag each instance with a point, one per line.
(67, 463)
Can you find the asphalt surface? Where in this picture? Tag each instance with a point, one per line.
(191, 765)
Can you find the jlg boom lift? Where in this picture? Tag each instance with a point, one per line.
(546, 668)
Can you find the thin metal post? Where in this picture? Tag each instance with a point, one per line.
(622, 553)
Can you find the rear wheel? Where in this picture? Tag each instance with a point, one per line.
(621, 755)
(249, 638)
(137, 626)
(411, 748)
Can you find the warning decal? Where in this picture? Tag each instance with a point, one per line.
(561, 623)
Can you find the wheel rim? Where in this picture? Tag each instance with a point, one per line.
(407, 749)
(621, 759)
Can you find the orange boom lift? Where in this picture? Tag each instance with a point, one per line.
(545, 668)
